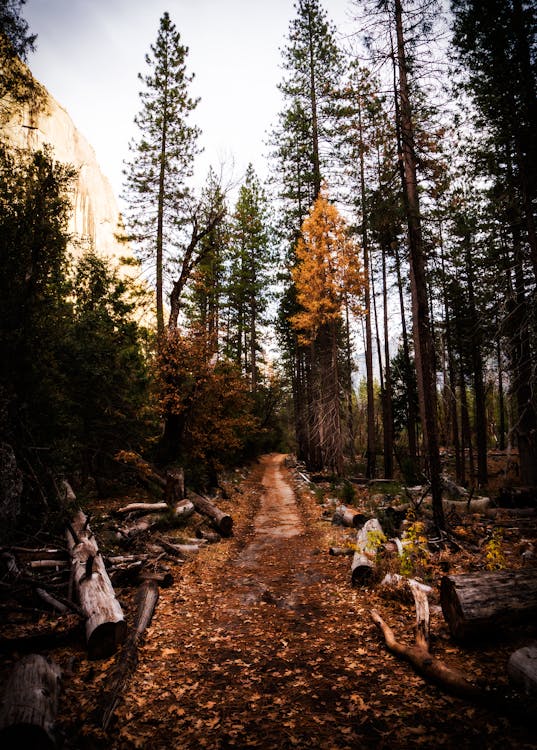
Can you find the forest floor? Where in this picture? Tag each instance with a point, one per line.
(262, 642)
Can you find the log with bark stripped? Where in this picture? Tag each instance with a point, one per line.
(344, 516)
(221, 521)
(105, 625)
(368, 540)
(474, 604)
(30, 705)
(209, 536)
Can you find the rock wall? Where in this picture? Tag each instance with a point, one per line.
(96, 213)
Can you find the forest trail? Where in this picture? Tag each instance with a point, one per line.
(263, 643)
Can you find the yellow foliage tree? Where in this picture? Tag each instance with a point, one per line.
(328, 272)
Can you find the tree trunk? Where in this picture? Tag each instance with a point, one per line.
(30, 705)
(423, 342)
(387, 396)
(475, 604)
(220, 520)
(105, 626)
(371, 455)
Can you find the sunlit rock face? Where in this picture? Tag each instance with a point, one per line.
(96, 215)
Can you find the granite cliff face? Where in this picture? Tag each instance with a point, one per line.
(95, 214)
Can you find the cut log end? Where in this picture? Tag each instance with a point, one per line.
(105, 639)
(225, 526)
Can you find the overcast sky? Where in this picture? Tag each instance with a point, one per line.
(89, 54)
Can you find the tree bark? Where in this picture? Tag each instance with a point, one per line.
(475, 604)
(105, 625)
(220, 520)
(423, 342)
(30, 705)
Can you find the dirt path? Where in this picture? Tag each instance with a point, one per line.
(263, 643)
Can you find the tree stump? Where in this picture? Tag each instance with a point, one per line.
(474, 604)
(368, 540)
(105, 625)
(522, 669)
(30, 705)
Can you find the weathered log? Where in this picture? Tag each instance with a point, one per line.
(368, 540)
(344, 516)
(181, 550)
(474, 604)
(450, 679)
(48, 563)
(163, 577)
(220, 520)
(209, 536)
(472, 505)
(184, 509)
(30, 704)
(340, 551)
(105, 626)
(522, 669)
(142, 508)
(142, 525)
(147, 601)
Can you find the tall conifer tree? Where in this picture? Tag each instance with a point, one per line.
(156, 178)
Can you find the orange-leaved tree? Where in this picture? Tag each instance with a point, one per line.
(204, 401)
(328, 277)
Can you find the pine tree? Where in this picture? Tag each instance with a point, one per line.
(248, 283)
(156, 178)
(496, 47)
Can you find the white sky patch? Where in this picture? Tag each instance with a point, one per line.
(89, 54)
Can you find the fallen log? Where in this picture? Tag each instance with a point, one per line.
(368, 540)
(163, 577)
(344, 516)
(472, 505)
(522, 669)
(340, 551)
(475, 604)
(130, 531)
(181, 550)
(30, 704)
(105, 625)
(142, 508)
(450, 679)
(210, 536)
(147, 601)
(222, 522)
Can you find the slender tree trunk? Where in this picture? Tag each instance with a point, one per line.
(480, 418)
(160, 220)
(423, 342)
(411, 412)
(501, 399)
(314, 116)
(371, 453)
(387, 401)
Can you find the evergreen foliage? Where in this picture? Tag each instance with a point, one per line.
(156, 178)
